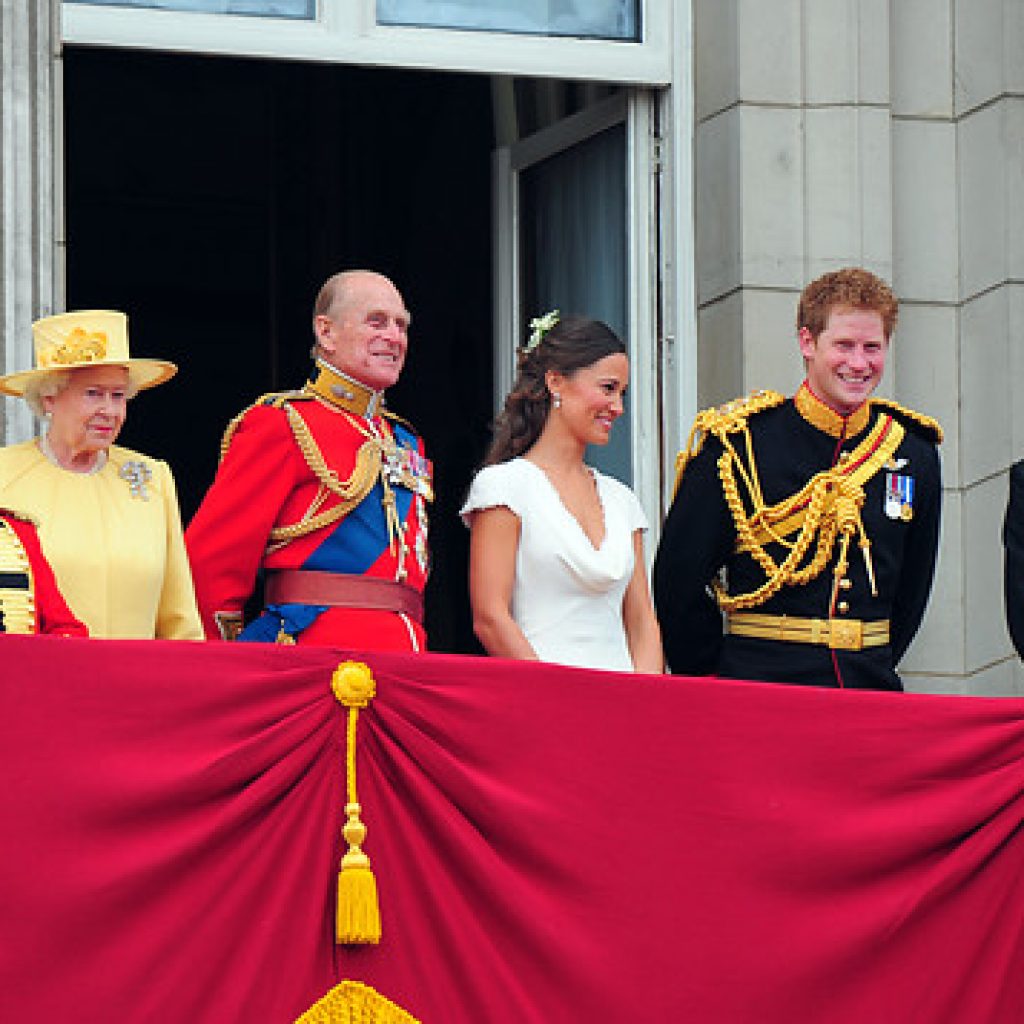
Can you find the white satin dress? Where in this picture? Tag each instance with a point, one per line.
(567, 595)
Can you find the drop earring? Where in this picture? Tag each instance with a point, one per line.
(556, 400)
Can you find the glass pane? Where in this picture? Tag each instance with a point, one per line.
(596, 19)
(574, 251)
(263, 8)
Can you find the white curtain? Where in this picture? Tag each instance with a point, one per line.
(574, 248)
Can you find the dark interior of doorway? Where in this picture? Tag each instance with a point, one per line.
(210, 197)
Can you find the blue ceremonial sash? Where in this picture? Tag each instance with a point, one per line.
(354, 545)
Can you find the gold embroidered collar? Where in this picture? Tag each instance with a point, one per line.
(819, 415)
(341, 391)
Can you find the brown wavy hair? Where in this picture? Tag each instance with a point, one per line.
(573, 343)
(853, 287)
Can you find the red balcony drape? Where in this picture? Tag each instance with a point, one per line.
(550, 844)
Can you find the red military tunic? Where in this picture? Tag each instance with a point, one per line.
(30, 601)
(308, 483)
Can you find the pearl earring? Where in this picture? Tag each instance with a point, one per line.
(556, 400)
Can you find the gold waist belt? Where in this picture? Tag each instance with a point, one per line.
(839, 634)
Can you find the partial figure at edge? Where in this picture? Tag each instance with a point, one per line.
(1013, 563)
(30, 600)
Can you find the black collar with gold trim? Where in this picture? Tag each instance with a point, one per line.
(826, 419)
(341, 391)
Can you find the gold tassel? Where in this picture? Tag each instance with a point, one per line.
(358, 919)
(358, 913)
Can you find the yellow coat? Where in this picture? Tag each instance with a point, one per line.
(119, 558)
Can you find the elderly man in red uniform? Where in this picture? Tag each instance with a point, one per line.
(30, 601)
(324, 492)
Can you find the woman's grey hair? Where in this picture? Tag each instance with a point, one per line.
(50, 385)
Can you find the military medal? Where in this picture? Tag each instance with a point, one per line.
(407, 468)
(420, 546)
(899, 496)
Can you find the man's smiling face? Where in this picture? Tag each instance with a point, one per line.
(846, 361)
(366, 333)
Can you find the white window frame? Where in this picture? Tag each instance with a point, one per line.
(634, 109)
(346, 32)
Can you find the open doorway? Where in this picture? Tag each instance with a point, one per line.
(209, 198)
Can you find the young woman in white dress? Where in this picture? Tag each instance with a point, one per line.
(556, 566)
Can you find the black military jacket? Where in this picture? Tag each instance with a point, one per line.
(900, 516)
(1013, 566)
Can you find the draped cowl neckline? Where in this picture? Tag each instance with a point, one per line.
(597, 568)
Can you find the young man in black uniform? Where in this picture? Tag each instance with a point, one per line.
(801, 543)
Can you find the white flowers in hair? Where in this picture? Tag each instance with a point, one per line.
(539, 326)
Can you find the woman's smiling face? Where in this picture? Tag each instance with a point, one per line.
(592, 397)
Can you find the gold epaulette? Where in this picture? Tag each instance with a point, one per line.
(25, 517)
(722, 420)
(275, 399)
(925, 423)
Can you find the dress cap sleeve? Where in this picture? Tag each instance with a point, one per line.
(494, 487)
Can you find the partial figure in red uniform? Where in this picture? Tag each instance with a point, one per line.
(30, 601)
(324, 493)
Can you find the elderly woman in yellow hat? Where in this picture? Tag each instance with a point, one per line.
(109, 519)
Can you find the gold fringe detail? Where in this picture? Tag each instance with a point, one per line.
(273, 398)
(351, 1002)
(358, 913)
(721, 420)
(930, 425)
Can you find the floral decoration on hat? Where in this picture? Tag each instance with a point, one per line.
(78, 347)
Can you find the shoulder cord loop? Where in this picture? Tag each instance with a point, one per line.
(832, 500)
(349, 492)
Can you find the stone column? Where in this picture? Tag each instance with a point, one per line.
(792, 161)
(29, 201)
(958, 138)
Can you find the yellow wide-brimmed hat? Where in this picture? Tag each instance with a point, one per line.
(90, 337)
